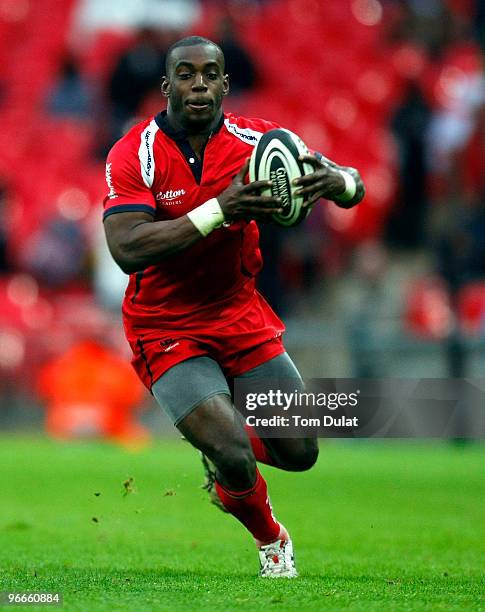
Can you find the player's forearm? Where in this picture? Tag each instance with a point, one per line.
(355, 174)
(149, 242)
(359, 188)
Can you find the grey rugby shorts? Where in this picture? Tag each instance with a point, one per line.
(187, 384)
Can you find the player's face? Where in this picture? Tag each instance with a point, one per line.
(195, 86)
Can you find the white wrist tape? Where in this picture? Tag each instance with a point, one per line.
(350, 187)
(207, 216)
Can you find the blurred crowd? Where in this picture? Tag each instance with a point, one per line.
(393, 87)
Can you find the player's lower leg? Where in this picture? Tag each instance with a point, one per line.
(217, 430)
(261, 454)
(253, 509)
(210, 482)
(274, 544)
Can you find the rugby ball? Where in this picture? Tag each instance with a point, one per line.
(275, 158)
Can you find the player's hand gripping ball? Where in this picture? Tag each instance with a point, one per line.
(275, 158)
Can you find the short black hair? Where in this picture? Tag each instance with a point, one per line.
(189, 41)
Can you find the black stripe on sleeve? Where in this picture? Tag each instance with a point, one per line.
(129, 208)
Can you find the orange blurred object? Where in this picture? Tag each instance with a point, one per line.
(91, 392)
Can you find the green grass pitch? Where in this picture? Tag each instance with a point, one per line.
(390, 526)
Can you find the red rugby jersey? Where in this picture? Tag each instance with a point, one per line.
(153, 169)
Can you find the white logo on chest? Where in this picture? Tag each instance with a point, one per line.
(171, 197)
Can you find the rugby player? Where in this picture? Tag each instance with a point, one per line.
(180, 219)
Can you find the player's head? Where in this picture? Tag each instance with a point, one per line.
(195, 82)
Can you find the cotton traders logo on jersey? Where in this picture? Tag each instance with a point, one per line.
(109, 180)
(171, 197)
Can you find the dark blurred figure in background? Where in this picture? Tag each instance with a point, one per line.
(365, 308)
(137, 73)
(479, 22)
(57, 254)
(460, 235)
(410, 125)
(239, 63)
(5, 266)
(72, 95)
(427, 23)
